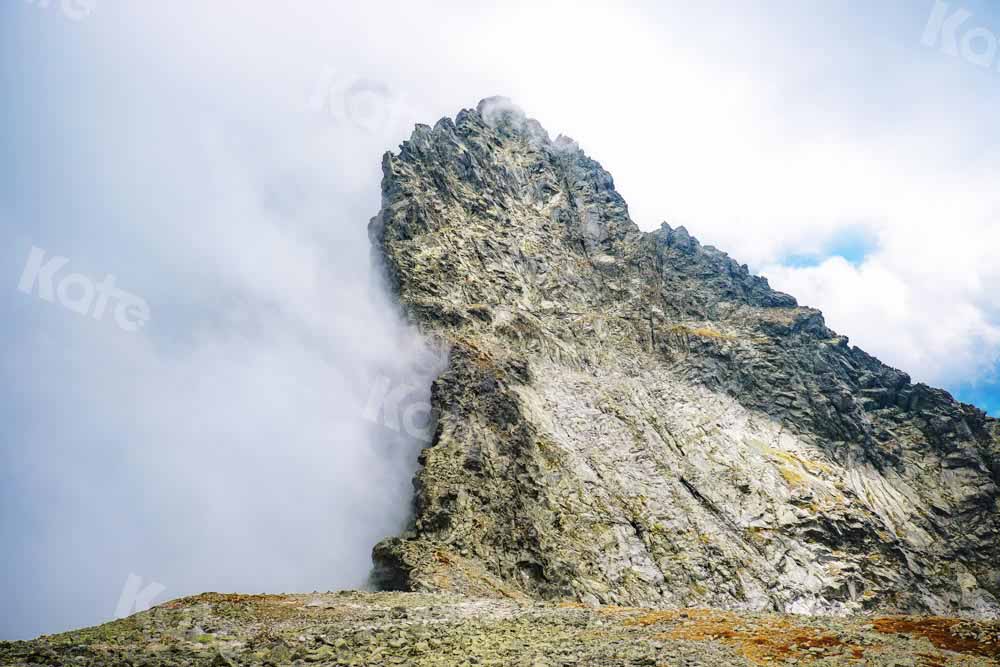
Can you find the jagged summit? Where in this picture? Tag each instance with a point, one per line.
(634, 418)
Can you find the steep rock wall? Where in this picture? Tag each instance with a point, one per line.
(634, 418)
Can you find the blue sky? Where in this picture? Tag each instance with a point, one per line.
(221, 160)
(854, 244)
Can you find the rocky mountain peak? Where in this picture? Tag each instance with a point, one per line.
(634, 418)
(629, 425)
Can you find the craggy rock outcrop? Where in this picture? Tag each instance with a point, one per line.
(633, 418)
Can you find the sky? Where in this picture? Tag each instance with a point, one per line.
(258, 430)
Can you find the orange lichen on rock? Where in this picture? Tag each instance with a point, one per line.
(443, 557)
(615, 609)
(762, 641)
(948, 634)
(572, 605)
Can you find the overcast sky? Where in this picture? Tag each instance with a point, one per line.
(221, 160)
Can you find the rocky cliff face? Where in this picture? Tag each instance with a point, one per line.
(633, 418)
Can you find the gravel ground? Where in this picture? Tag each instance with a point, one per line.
(412, 629)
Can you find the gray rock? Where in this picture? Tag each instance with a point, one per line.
(633, 418)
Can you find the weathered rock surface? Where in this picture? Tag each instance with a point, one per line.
(633, 418)
(439, 630)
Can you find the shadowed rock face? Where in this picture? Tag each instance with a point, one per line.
(633, 418)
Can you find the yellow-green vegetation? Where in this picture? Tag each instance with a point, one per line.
(792, 476)
(700, 332)
(549, 452)
(796, 470)
(813, 467)
(530, 247)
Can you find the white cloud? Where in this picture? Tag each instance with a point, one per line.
(932, 329)
(925, 299)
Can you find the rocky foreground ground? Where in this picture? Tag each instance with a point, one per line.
(413, 629)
